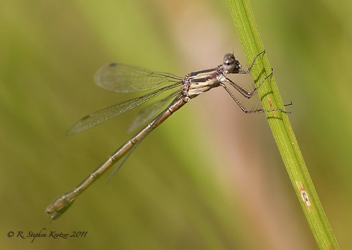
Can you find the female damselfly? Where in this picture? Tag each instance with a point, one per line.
(124, 78)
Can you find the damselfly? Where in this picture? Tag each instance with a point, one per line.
(124, 78)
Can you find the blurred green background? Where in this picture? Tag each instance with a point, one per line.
(210, 177)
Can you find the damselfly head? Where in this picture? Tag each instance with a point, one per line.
(231, 65)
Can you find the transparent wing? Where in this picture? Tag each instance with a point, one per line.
(143, 135)
(119, 77)
(150, 111)
(110, 112)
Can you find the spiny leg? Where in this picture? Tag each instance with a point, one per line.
(249, 95)
(250, 68)
(244, 92)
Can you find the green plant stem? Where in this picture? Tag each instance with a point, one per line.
(281, 128)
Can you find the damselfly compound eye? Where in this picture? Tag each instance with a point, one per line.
(231, 64)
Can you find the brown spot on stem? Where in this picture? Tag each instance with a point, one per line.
(304, 195)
